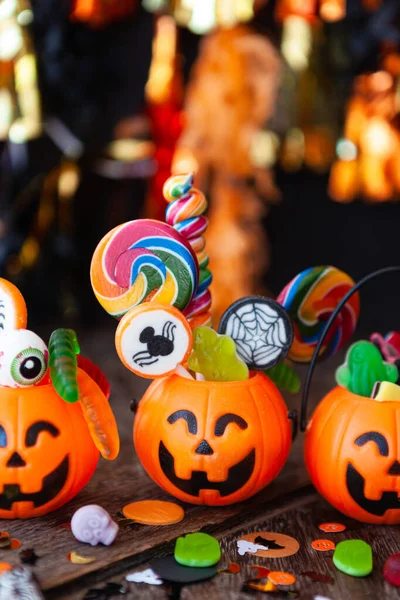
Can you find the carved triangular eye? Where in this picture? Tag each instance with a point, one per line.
(3, 437)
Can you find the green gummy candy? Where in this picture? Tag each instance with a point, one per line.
(353, 557)
(284, 377)
(63, 347)
(363, 367)
(197, 550)
(215, 356)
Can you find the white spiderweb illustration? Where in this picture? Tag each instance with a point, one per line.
(261, 333)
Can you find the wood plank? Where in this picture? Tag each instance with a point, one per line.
(298, 517)
(122, 481)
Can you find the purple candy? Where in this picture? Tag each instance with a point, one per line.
(93, 525)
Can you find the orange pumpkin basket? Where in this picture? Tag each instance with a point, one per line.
(214, 443)
(352, 448)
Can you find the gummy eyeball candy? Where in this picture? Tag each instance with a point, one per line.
(215, 356)
(23, 358)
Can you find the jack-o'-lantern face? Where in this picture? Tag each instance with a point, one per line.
(353, 455)
(211, 442)
(356, 483)
(46, 451)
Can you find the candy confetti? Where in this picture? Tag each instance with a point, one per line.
(245, 546)
(4, 567)
(154, 512)
(185, 209)
(142, 258)
(275, 545)
(77, 559)
(13, 312)
(152, 339)
(215, 357)
(168, 569)
(232, 568)
(261, 330)
(318, 577)
(281, 578)
(323, 545)
(262, 572)
(148, 576)
(255, 584)
(310, 298)
(332, 527)
(28, 556)
(5, 540)
(363, 367)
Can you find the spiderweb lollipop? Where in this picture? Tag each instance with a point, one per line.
(261, 330)
(310, 298)
(185, 213)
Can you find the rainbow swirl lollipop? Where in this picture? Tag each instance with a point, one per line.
(140, 260)
(310, 298)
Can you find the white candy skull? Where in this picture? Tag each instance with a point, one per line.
(93, 525)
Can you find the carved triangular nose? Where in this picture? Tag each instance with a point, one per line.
(16, 460)
(204, 448)
(395, 468)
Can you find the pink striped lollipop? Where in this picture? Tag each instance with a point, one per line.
(184, 213)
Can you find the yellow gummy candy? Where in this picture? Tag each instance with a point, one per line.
(215, 356)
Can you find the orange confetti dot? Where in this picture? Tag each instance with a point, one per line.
(154, 512)
(323, 545)
(15, 544)
(281, 578)
(5, 567)
(331, 527)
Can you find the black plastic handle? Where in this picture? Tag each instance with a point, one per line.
(356, 288)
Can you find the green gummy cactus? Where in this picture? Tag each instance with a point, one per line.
(363, 367)
(215, 357)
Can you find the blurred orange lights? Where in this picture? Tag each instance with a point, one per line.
(332, 10)
(368, 162)
(329, 10)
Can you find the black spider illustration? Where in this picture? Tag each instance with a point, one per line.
(157, 345)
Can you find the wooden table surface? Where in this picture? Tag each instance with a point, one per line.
(289, 505)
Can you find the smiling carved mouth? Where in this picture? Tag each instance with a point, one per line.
(238, 475)
(356, 485)
(51, 487)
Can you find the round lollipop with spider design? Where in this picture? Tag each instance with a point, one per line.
(261, 329)
(153, 339)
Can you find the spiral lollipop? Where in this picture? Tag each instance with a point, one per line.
(186, 206)
(310, 299)
(142, 260)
